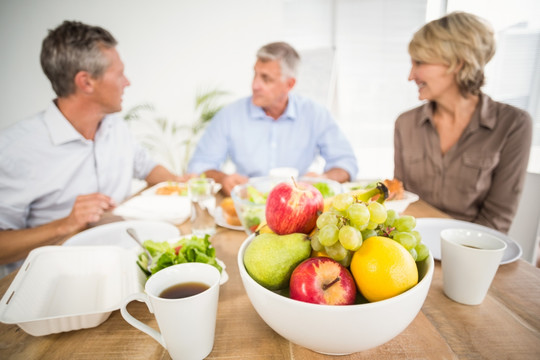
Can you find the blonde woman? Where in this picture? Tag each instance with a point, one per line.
(461, 151)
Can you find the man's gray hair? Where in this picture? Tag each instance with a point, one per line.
(73, 47)
(284, 53)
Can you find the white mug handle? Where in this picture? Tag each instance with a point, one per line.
(138, 324)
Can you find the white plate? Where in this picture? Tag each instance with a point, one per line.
(401, 205)
(398, 205)
(220, 220)
(152, 190)
(430, 230)
(173, 209)
(115, 234)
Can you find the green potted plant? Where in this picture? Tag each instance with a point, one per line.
(172, 140)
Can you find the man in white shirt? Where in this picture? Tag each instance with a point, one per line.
(61, 169)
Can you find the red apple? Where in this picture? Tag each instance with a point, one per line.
(293, 208)
(322, 280)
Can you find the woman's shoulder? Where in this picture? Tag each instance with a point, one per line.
(413, 115)
(507, 113)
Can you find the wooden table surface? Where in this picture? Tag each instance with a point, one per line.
(505, 326)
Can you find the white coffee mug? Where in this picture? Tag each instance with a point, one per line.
(469, 261)
(187, 324)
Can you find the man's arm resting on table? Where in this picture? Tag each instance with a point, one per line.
(159, 174)
(16, 244)
(337, 174)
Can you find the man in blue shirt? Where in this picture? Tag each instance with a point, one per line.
(273, 128)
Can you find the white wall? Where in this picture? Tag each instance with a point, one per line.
(170, 48)
(174, 48)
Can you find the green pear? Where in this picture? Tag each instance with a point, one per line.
(270, 258)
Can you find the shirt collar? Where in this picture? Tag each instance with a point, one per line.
(60, 129)
(484, 114)
(427, 114)
(488, 116)
(257, 112)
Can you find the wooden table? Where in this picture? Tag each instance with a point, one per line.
(505, 326)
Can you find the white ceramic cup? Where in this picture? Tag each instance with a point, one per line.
(469, 261)
(187, 324)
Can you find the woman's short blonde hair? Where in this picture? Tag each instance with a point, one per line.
(459, 40)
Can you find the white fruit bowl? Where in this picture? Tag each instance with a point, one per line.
(337, 330)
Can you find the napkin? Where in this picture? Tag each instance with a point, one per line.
(173, 209)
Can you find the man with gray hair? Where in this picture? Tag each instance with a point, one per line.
(273, 128)
(61, 169)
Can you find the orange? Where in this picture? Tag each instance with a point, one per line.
(383, 268)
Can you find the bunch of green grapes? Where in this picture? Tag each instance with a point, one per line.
(341, 230)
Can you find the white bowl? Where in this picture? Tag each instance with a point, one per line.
(336, 187)
(337, 330)
(249, 213)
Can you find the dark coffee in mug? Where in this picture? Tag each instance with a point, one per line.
(183, 290)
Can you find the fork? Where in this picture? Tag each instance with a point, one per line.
(135, 237)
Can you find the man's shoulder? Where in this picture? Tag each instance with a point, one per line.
(24, 128)
(306, 102)
(237, 109)
(309, 110)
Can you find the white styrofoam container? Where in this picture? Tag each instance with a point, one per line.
(61, 288)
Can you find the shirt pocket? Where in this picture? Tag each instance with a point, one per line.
(476, 171)
(419, 174)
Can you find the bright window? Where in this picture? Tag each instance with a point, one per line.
(356, 63)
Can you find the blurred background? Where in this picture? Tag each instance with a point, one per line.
(354, 52)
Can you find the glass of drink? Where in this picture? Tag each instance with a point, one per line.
(203, 203)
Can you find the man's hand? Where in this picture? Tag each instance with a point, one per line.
(315, 175)
(184, 178)
(336, 174)
(230, 181)
(87, 209)
(16, 244)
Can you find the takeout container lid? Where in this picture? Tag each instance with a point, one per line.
(69, 288)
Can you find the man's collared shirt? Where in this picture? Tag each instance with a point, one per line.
(256, 143)
(45, 164)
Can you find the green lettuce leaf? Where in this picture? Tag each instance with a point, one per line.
(164, 254)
